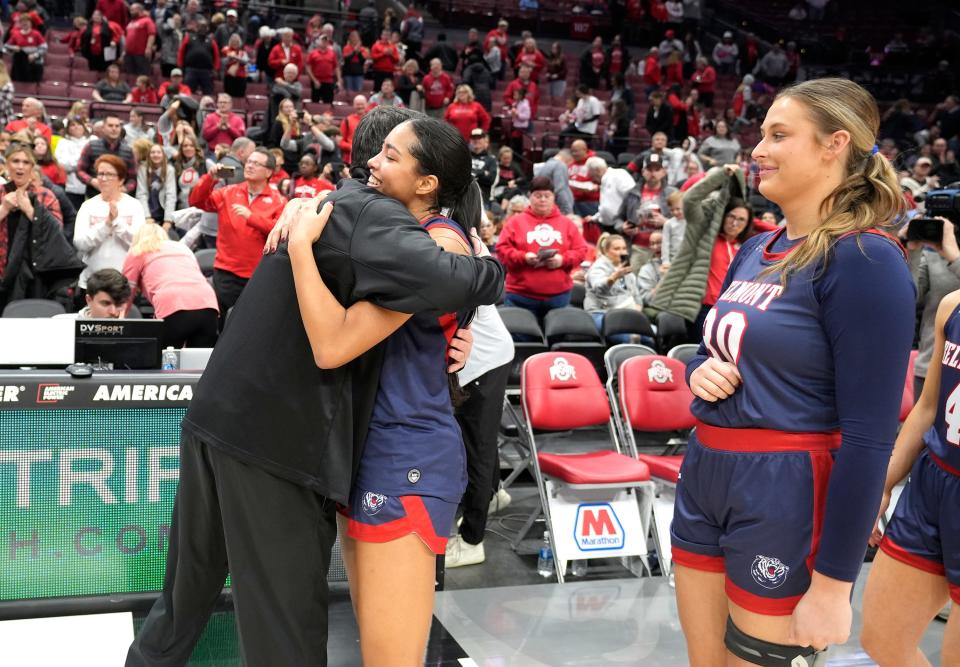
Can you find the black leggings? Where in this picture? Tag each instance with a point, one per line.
(190, 328)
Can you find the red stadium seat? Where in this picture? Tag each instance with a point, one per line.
(59, 60)
(561, 391)
(81, 92)
(84, 75)
(653, 397)
(56, 73)
(53, 88)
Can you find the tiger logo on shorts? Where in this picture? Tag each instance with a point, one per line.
(769, 572)
(373, 502)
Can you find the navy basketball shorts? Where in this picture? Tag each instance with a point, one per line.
(750, 505)
(375, 517)
(925, 530)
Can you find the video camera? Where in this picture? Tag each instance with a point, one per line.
(944, 203)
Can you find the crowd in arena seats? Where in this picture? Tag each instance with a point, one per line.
(616, 129)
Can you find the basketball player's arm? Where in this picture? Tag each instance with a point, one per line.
(909, 442)
(399, 267)
(458, 351)
(337, 335)
(867, 309)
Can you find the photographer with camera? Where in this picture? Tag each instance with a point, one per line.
(247, 212)
(935, 265)
(540, 247)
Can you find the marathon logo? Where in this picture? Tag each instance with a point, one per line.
(143, 392)
(598, 528)
(53, 393)
(10, 393)
(101, 329)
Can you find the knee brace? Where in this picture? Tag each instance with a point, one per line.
(766, 654)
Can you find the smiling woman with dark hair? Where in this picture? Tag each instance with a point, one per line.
(413, 472)
(270, 446)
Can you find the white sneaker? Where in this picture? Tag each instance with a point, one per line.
(460, 553)
(500, 501)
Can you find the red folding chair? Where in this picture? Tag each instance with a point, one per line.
(596, 503)
(654, 397)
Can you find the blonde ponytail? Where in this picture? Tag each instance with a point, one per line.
(869, 197)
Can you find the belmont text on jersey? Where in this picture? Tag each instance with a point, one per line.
(752, 293)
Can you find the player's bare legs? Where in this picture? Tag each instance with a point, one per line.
(348, 551)
(950, 656)
(898, 604)
(393, 591)
(702, 605)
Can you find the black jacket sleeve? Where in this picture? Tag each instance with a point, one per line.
(398, 266)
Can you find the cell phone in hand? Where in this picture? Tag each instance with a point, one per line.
(226, 171)
(929, 230)
(546, 253)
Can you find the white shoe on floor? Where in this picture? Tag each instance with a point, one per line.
(460, 553)
(500, 501)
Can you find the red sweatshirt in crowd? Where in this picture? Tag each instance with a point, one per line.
(528, 232)
(347, 128)
(436, 89)
(577, 171)
(239, 240)
(278, 59)
(467, 117)
(533, 94)
(385, 56)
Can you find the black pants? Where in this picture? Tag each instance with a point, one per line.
(199, 80)
(77, 199)
(277, 537)
(235, 86)
(228, 287)
(190, 328)
(324, 93)
(479, 419)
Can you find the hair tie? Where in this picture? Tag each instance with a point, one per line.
(875, 150)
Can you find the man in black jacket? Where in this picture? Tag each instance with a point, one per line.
(485, 167)
(446, 53)
(271, 443)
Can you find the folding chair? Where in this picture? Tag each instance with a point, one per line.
(573, 330)
(596, 504)
(620, 321)
(528, 340)
(577, 295)
(33, 308)
(684, 352)
(671, 331)
(654, 397)
(205, 258)
(613, 358)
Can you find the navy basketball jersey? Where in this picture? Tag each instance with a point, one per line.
(777, 337)
(414, 445)
(943, 438)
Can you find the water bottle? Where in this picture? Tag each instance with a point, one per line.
(545, 557)
(170, 360)
(578, 568)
